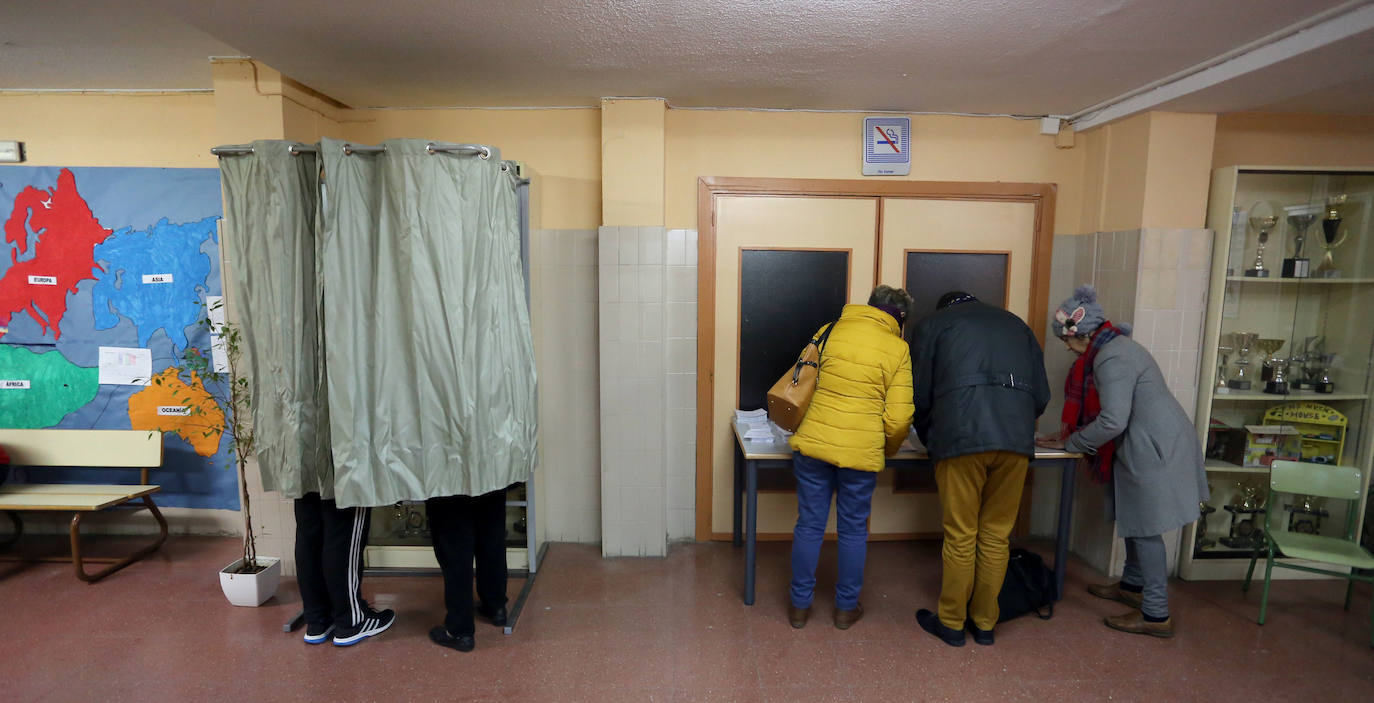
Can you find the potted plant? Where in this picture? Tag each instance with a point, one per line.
(251, 579)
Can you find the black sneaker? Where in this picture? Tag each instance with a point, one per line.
(374, 623)
(317, 634)
(930, 622)
(497, 616)
(440, 636)
(983, 637)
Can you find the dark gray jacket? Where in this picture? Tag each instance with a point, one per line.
(979, 380)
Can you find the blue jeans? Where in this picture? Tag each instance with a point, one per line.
(853, 491)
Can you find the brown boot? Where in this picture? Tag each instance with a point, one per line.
(797, 616)
(1136, 624)
(845, 618)
(1113, 591)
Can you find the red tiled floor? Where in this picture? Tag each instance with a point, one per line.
(670, 629)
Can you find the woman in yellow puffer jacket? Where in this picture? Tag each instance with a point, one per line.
(859, 416)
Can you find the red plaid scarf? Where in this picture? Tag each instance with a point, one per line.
(1081, 403)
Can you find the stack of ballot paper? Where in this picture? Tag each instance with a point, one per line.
(758, 428)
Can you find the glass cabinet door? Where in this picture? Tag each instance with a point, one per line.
(1294, 350)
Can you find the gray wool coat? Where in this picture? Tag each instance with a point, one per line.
(1157, 476)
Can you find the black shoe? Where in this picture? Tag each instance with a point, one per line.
(440, 636)
(496, 616)
(983, 637)
(930, 622)
(318, 634)
(374, 623)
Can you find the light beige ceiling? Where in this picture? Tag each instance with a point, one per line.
(980, 56)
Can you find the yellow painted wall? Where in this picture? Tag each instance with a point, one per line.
(561, 146)
(1179, 170)
(1270, 139)
(632, 153)
(828, 145)
(1127, 145)
(162, 130)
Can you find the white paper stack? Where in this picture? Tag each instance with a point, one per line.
(757, 427)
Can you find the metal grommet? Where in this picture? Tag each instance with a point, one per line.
(347, 149)
(486, 153)
(429, 149)
(505, 168)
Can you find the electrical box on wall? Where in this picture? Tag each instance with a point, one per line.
(11, 152)
(887, 146)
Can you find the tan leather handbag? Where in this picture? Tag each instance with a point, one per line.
(789, 398)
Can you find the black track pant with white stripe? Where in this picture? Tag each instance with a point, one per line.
(329, 560)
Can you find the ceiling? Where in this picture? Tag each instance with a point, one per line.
(1031, 57)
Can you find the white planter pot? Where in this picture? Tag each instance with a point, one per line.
(251, 590)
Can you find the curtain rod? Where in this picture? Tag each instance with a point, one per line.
(480, 150)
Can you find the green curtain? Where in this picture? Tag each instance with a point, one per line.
(271, 199)
(430, 364)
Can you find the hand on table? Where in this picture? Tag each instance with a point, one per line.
(1049, 442)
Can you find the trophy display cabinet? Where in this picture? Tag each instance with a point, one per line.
(1288, 344)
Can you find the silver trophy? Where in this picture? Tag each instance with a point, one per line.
(1262, 220)
(1273, 368)
(1300, 218)
(1245, 506)
(1223, 358)
(1241, 342)
(1323, 382)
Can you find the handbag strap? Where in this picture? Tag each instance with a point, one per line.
(820, 347)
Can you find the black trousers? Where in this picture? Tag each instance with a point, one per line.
(329, 560)
(464, 528)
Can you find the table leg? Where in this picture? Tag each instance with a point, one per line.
(1068, 469)
(739, 496)
(751, 487)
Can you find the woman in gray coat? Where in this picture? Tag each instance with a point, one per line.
(1118, 409)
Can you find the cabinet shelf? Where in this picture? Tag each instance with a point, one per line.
(1226, 467)
(1295, 395)
(1280, 279)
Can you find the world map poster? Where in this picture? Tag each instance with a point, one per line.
(101, 264)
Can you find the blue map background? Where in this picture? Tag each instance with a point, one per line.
(164, 220)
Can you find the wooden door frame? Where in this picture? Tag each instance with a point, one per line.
(1041, 195)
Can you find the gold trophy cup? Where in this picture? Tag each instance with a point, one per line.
(1332, 236)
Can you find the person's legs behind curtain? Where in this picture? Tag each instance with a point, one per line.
(451, 530)
(489, 548)
(315, 602)
(345, 537)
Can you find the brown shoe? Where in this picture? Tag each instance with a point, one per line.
(1136, 624)
(845, 618)
(1112, 591)
(797, 616)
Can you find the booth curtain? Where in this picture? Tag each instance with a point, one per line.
(429, 360)
(270, 199)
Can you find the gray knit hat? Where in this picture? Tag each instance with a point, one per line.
(1080, 315)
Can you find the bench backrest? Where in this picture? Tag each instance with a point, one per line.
(125, 449)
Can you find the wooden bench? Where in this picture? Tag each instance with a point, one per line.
(116, 449)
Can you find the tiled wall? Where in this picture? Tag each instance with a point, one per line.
(648, 388)
(1155, 279)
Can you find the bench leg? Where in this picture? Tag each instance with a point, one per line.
(145, 551)
(18, 529)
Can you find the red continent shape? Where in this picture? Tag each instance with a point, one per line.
(67, 235)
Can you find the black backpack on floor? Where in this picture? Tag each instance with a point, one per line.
(1028, 588)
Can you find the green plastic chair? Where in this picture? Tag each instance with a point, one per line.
(1337, 482)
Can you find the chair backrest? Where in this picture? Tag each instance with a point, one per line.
(124, 449)
(1325, 480)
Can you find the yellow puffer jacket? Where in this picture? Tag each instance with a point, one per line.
(861, 411)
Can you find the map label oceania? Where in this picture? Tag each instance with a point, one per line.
(157, 278)
(173, 410)
(15, 384)
(42, 280)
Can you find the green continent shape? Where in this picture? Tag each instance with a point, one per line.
(57, 387)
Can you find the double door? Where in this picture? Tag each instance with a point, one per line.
(778, 264)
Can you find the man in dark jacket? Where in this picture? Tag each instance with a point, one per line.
(979, 379)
